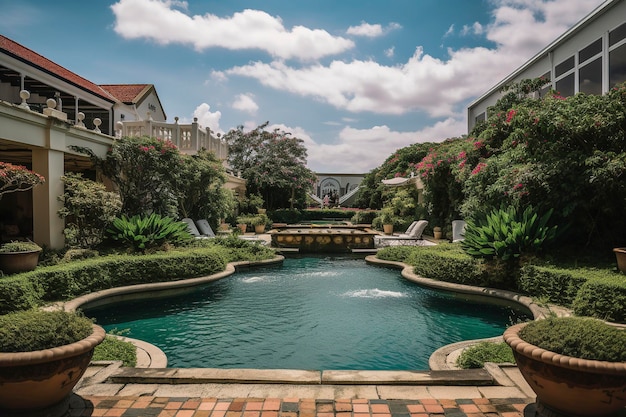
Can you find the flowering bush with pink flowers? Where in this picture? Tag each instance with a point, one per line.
(17, 178)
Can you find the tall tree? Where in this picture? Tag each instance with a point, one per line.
(273, 163)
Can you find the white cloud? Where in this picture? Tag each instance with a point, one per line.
(372, 31)
(158, 20)
(365, 29)
(389, 53)
(245, 103)
(475, 29)
(209, 119)
(424, 83)
(449, 32)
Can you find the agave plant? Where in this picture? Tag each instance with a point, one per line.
(146, 232)
(507, 233)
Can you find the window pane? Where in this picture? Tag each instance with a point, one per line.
(590, 51)
(480, 118)
(590, 78)
(564, 66)
(617, 66)
(617, 34)
(565, 86)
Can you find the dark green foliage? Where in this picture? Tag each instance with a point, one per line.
(140, 233)
(602, 296)
(476, 356)
(88, 209)
(114, 349)
(68, 280)
(578, 337)
(555, 285)
(395, 253)
(508, 233)
(238, 249)
(325, 214)
(17, 293)
(364, 217)
(289, 216)
(31, 330)
(447, 262)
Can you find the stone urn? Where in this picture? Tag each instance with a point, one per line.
(620, 255)
(568, 386)
(39, 383)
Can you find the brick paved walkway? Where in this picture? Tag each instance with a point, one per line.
(147, 406)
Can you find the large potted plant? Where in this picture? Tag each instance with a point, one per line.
(388, 220)
(575, 365)
(620, 255)
(43, 354)
(18, 256)
(259, 222)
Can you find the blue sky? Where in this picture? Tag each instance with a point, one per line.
(355, 79)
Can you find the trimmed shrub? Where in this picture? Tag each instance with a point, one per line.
(68, 280)
(27, 331)
(557, 285)
(364, 217)
(17, 293)
(447, 262)
(603, 297)
(289, 216)
(324, 214)
(475, 356)
(395, 253)
(579, 337)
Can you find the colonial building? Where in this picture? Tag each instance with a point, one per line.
(589, 58)
(341, 189)
(45, 109)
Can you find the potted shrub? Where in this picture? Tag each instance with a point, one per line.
(43, 354)
(243, 222)
(259, 222)
(19, 256)
(388, 219)
(575, 365)
(620, 255)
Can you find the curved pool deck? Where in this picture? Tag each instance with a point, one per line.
(108, 389)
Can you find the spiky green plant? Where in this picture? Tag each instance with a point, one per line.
(506, 233)
(140, 233)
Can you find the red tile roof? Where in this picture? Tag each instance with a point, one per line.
(127, 93)
(26, 55)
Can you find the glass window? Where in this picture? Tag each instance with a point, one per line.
(565, 86)
(590, 51)
(480, 118)
(617, 34)
(590, 78)
(564, 66)
(617, 66)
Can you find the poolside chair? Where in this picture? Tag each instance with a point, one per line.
(194, 230)
(458, 230)
(413, 237)
(205, 228)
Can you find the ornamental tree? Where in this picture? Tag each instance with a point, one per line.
(17, 178)
(273, 164)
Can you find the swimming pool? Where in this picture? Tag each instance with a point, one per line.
(332, 312)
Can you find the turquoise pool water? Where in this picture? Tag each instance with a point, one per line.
(309, 313)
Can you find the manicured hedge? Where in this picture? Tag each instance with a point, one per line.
(447, 262)
(556, 285)
(603, 297)
(64, 281)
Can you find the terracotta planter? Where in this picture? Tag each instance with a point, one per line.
(40, 382)
(388, 229)
(259, 228)
(620, 254)
(438, 235)
(566, 385)
(261, 211)
(243, 227)
(14, 262)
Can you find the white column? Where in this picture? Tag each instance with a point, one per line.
(47, 225)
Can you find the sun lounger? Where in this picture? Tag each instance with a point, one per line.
(205, 228)
(412, 236)
(194, 230)
(458, 230)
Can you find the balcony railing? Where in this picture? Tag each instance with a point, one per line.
(189, 138)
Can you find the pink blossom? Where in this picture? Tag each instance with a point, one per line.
(478, 168)
(510, 115)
